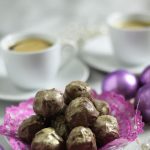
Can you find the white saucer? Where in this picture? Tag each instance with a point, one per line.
(97, 52)
(75, 70)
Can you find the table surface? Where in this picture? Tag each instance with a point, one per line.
(95, 82)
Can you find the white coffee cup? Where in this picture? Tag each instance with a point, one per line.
(131, 45)
(33, 70)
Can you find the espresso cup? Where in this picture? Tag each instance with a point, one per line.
(131, 45)
(34, 70)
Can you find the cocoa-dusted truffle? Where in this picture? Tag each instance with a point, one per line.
(81, 112)
(47, 139)
(101, 106)
(106, 129)
(60, 126)
(29, 127)
(48, 102)
(81, 138)
(76, 89)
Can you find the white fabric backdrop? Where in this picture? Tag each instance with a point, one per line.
(19, 14)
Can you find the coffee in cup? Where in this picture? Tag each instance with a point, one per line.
(133, 24)
(31, 45)
(33, 60)
(130, 37)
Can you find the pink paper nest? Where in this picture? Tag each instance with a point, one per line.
(130, 121)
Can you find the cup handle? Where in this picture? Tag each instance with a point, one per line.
(69, 51)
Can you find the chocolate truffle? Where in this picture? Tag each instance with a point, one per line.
(101, 106)
(60, 126)
(29, 127)
(106, 129)
(62, 112)
(81, 112)
(48, 102)
(81, 138)
(47, 139)
(76, 89)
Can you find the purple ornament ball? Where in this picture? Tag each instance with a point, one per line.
(142, 102)
(145, 76)
(1, 148)
(122, 82)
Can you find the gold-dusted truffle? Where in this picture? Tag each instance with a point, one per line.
(101, 106)
(62, 112)
(81, 138)
(73, 120)
(48, 103)
(47, 139)
(60, 126)
(81, 112)
(76, 89)
(106, 129)
(29, 127)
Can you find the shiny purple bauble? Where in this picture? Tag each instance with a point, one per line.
(145, 76)
(121, 82)
(1, 148)
(142, 102)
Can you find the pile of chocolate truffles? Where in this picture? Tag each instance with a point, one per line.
(70, 121)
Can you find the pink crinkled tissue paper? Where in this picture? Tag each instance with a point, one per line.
(130, 121)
